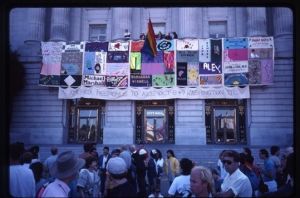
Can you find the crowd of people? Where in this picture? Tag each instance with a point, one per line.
(134, 171)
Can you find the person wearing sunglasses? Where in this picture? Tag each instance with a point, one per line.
(236, 183)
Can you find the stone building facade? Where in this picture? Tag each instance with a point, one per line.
(39, 117)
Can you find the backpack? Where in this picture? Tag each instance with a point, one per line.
(41, 190)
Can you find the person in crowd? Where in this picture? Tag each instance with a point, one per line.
(246, 168)
(175, 36)
(275, 153)
(220, 165)
(93, 151)
(171, 166)
(126, 156)
(21, 146)
(141, 169)
(236, 183)
(142, 36)
(88, 183)
(249, 160)
(152, 173)
(103, 159)
(247, 151)
(268, 171)
(202, 182)
(86, 151)
(287, 190)
(21, 179)
(35, 153)
(116, 177)
(38, 170)
(168, 36)
(26, 159)
(217, 179)
(289, 150)
(156, 193)
(134, 155)
(159, 165)
(116, 152)
(50, 160)
(65, 169)
(181, 184)
(275, 157)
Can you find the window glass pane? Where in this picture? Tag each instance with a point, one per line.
(217, 29)
(155, 125)
(97, 32)
(88, 113)
(159, 27)
(225, 124)
(87, 125)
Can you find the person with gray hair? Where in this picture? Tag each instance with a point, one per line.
(126, 156)
(202, 182)
(65, 169)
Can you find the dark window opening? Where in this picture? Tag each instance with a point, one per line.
(155, 122)
(225, 121)
(85, 121)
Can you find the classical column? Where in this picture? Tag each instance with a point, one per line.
(75, 24)
(60, 24)
(174, 20)
(36, 24)
(121, 22)
(34, 28)
(256, 22)
(240, 21)
(188, 22)
(283, 31)
(136, 29)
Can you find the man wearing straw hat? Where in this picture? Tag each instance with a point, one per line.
(64, 169)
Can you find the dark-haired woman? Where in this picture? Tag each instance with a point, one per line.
(88, 183)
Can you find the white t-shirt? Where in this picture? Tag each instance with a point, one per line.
(180, 184)
(160, 162)
(223, 172)
(239, 183)
(21, 181)
(57, 188)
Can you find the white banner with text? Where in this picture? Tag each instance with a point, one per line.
(151, 93)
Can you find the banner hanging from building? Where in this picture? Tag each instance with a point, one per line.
(51, 63)
(152, 93)
(208, 68)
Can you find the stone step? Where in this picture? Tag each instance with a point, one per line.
(206, 155)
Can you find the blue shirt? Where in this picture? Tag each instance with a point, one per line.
(269, 167)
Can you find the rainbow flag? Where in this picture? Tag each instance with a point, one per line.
(150, 41)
